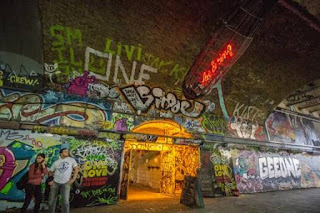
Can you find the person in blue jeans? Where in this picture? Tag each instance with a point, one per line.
(33, 188)
(61, 170)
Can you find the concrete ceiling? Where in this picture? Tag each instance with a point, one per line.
(313, 6)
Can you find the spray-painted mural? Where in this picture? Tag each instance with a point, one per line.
(99, 162)
(216, 164)
(292, 129)
(250, 170)
(257, 171)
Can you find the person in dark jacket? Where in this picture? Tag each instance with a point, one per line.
(33, 188)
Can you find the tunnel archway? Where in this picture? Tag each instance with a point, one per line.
(154, 165)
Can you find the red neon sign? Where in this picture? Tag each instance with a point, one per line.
(225, 55)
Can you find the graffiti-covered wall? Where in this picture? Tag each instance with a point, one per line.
(97, 67)
(253, 171)
(257, 171)
(99, 162)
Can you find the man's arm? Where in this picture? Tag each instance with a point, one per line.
(75, 173)
(51, 172)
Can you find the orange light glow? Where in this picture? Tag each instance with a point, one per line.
(225, 55)
(162, 128)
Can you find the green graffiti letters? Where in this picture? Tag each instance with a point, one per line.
(98, 192)
(65, 40)
(213, 124)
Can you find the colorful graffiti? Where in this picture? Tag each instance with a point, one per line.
(253, 171)
(99, 173)
(18, 150)
(167, 183)
(186, 164)
(23, 79)
(260, 171)
(53, 108)
(223, 172)
(239, 127)
(214, 124)
(99, 163)
(292, 129)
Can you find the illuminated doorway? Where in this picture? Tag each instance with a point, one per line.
(154, 165)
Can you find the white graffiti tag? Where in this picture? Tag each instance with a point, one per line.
(141, 98)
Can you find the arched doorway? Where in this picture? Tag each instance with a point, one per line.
(154, 162)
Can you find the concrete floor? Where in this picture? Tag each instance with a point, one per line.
(292, 201)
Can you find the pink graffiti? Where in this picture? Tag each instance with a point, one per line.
(34, 141)
(121, 125)
(79, 85)
(7, 166)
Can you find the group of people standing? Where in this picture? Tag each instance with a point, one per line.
(60, 181)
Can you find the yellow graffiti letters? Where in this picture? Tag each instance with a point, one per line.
(221, 170)
(23, 80)
(94, 169)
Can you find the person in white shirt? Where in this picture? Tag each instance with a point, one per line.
(61, 170)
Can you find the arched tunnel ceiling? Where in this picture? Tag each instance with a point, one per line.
(312, 6)
(283, 57)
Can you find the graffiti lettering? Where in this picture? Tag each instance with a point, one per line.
(10, 135)
(279, 167)
(101, 91)
(141, 138)
(141, 98)
(65, 38)
(129, 49)
(213, 124)
(146, 146)
(94, 168)
(23, 80)
(245, 129)
(118, 66)
(247, 112)
(97, 192)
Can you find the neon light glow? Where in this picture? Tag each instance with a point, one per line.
(225, 56)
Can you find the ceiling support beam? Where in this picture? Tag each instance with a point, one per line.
(309, 106)
(305, 100)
